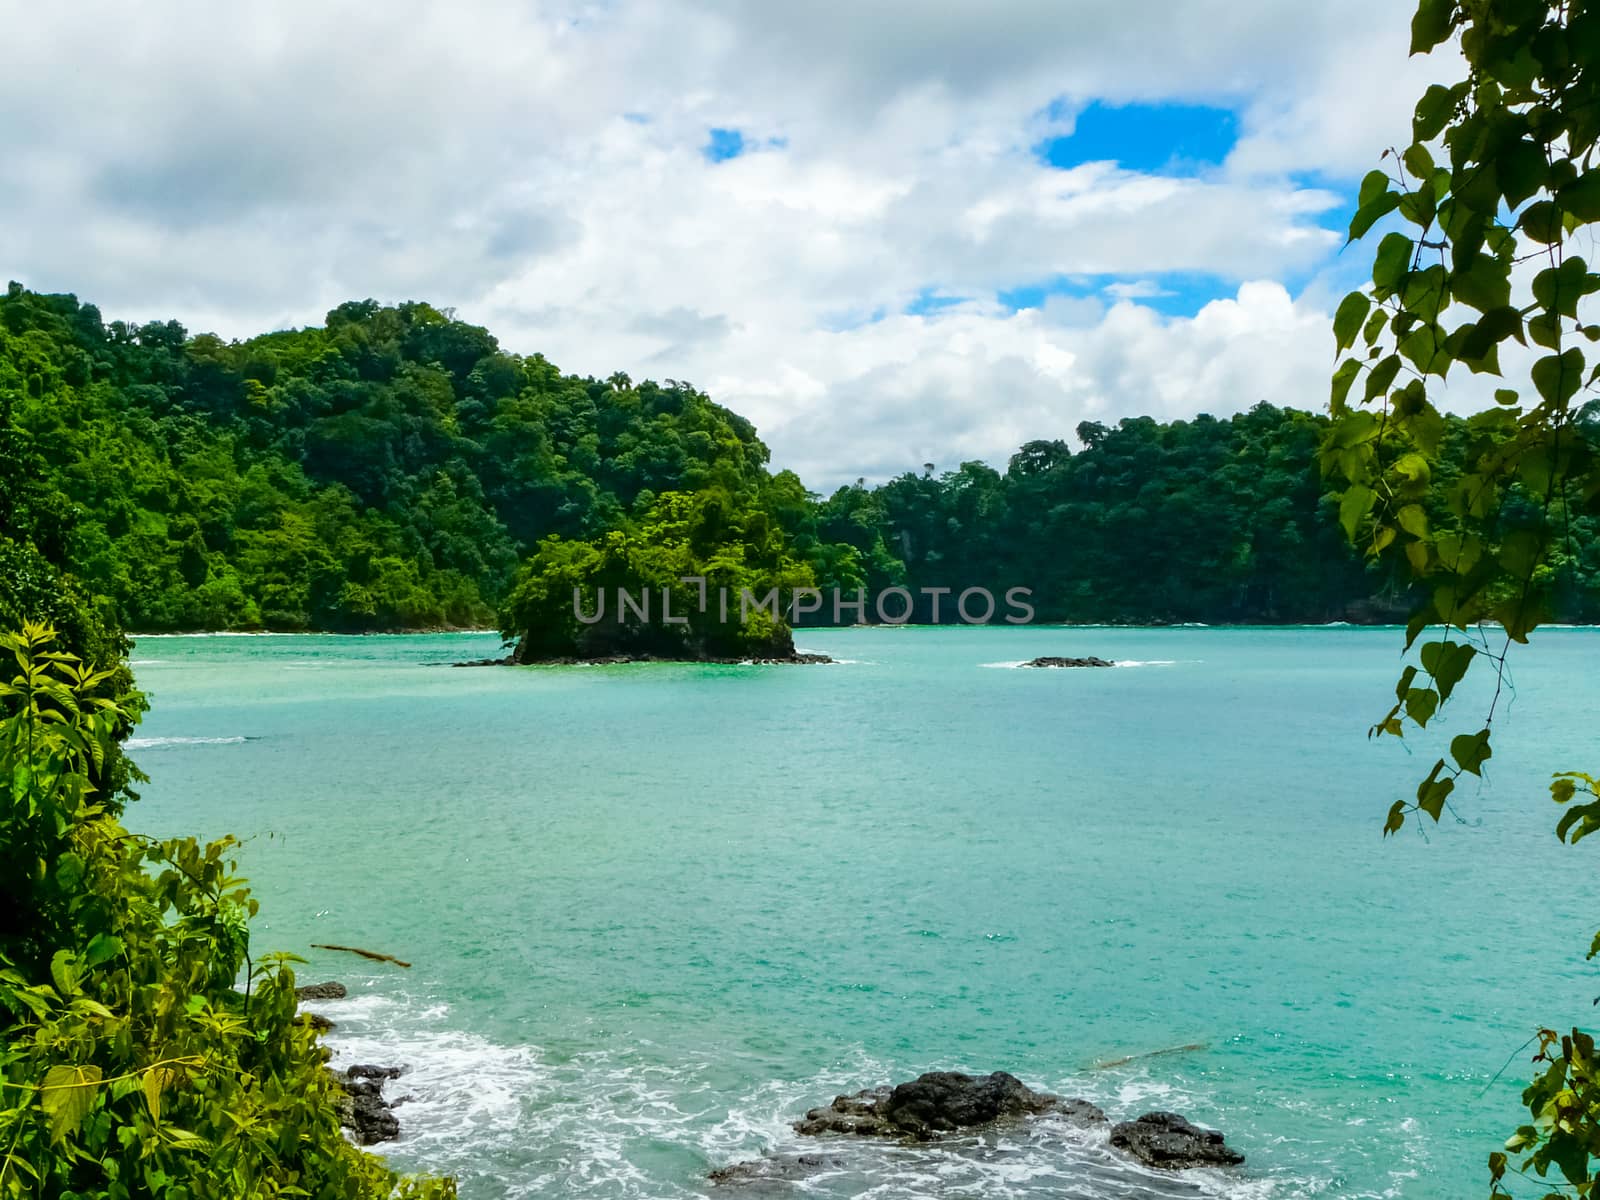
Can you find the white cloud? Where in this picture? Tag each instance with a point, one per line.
(243, 167)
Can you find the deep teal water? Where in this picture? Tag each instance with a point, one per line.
(656, 911)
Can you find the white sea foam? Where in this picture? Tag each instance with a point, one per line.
(619, 1125)
(160, 743)
(224, 633)
(1120, 662)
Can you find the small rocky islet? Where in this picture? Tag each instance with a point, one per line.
(1053, 661)
(943, 1102)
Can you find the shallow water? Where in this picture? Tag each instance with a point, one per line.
(656, 911)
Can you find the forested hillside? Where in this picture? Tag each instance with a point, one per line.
(391, 468)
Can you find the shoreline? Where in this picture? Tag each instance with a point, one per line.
(1113, 625)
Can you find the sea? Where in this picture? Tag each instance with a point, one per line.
(654, 912)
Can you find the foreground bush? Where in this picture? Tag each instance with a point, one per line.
(132, 1064)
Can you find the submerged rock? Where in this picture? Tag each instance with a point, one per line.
(1163, 1139)
(785, 1168)
(939, 1102)
(1048, 661)
(321, 991)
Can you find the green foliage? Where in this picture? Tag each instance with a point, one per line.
(1494, 516)
(384, 471)
(1494, 194)
(130, 1063)
(1201, 520)
(731, 548)
(389, 469)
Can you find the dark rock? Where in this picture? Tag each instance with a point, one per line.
(486, 662)
(858, 1113)
(368, 1118)
(368, 1071)
(939, 1102)
(321, 991)
(361, 1106)
(316, 1020)
(1163, 1139)
(1048, 661)
(944, 1100)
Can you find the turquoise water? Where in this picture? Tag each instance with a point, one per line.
(656, 911)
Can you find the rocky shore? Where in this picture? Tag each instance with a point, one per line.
(940, 1103)
(363, 1109)
(925, 1109)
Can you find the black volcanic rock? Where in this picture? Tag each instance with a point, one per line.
(361, 1106)
(1163, 1139)
(321, 991)
(939, 1102)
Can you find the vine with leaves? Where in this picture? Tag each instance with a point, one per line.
(1484, 213)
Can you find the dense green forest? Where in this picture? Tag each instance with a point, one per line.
(391, 468)
(146, 1047)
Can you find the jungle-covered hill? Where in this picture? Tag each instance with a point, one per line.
(392, 467)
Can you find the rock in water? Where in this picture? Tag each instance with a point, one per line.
(362, 1108)
(367, 1071)
(939, 1102)
(944, 1100)
(1163, 1139)
(859, 1113)
(1049, 661)
(321, 991)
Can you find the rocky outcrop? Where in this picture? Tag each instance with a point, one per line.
(1048, 661)
(321, 991)
(361, 1106)
(939, 1102)
(1163, 1139)
(858, 1113)
(943, 1102)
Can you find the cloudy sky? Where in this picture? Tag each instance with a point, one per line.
(888, 232)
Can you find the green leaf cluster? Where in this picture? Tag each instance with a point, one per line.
(1483, 217)
(142, 1052)
(737, 556)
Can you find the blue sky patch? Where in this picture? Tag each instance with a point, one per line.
(724, 144)
(1169, 138)
(1174, 294)
(931, 300)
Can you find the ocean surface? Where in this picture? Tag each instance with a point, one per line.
(656, 911)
